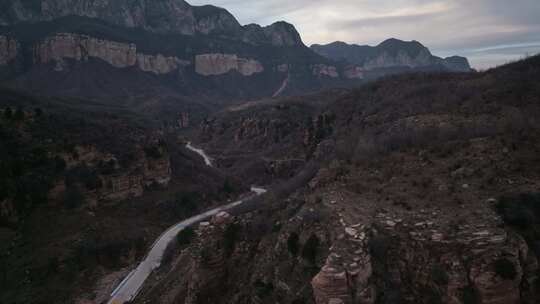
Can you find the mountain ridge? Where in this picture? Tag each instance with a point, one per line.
(400, 52)
(163, 16)
(125, 50)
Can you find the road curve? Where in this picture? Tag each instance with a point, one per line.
(130, 286)
(207, 159)
(127, 290)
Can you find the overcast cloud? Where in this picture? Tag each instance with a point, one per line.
(488, 32)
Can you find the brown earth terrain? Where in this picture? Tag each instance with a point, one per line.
(427, 193)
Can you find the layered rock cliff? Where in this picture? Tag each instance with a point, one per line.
(120, 55)
(218, 64)
(425, 260)
(325, 70)
(100, 176)
(195, 50)
(203, 63)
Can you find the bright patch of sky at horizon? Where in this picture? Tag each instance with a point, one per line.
(488, 32)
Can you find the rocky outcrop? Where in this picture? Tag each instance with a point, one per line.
(420, 262)
(248, 67)
(157, 171)
(478, 262)
(282, 34)
(353, 72)
(87, 154)
(400, 59)
(121, 186)
(159, 64)
(211, 19)
(277, 34)
(8, 50)
(272, 130)
(120, 55)
(79, 47)
(209, 268)
(325, 70)
(218, 64)
(330, 285)
(457, 64)
(346, 276)
(112, 182)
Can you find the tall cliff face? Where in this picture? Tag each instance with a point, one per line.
(113, 49)
(77, 47)
(110, 49)
(217, 64)
(162, 16)
(214, 56)
(392, 53)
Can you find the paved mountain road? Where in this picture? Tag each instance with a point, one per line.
(207, 159)
(128, 289)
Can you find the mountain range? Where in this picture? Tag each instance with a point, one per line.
(199, 56)
(391, 53)
(132, 131)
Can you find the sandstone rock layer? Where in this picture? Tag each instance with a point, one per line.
(218, 64)
(120, 55)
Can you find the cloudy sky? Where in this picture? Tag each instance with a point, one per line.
(488, 32)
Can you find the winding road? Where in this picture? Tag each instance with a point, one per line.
(128, 289)
(207, 159)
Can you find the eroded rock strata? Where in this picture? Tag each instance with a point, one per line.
(120, 55)
(217, 64)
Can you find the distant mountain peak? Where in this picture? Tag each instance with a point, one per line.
(283, 33)
(391, 53)
(392, 40)
(394, 46)
(399, 42)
